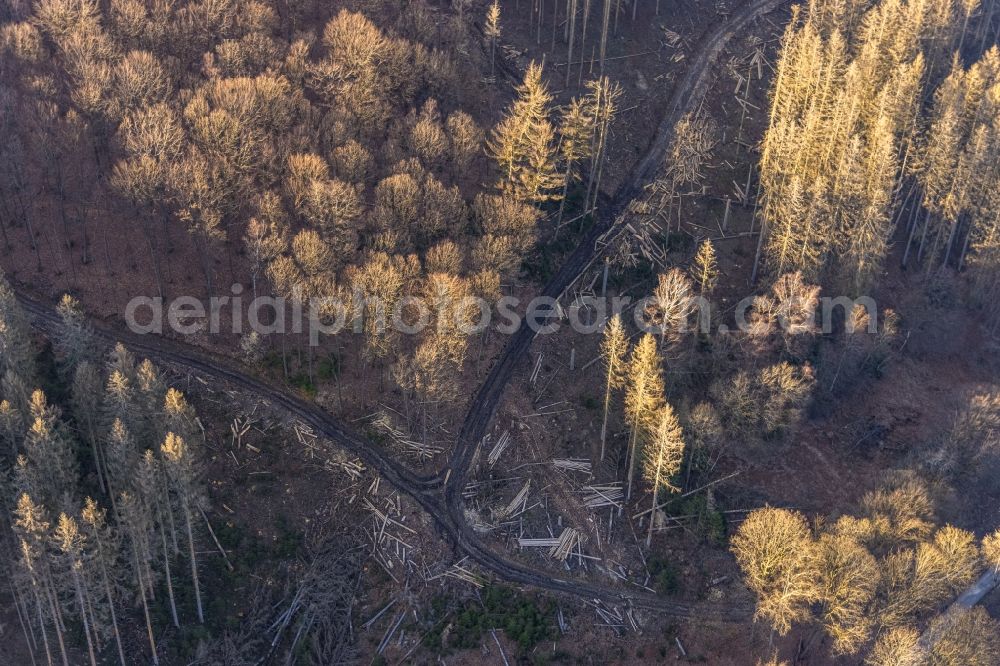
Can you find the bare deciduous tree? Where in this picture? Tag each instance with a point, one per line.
(671, 306)
(775, 552)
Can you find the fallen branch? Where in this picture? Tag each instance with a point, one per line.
(690, 492)
(215, 539)
(630, 55)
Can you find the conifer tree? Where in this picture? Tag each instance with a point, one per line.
(121, 360)
(614, 349)
(74, 341)
(868, 234)
(19, 584)
(151, 485)
(843, 117)
(11, 428)
(51, 455)
(571, 11)
(492, 31)
(98, 533)
(150, 397)
(784, 231)
(574, 142)
(16, 352)
(602, 100)
(31, 527)
(957, 167)
(120, 459)
(179, 415)
(134, 517)
(17, 391)
(120, 401)
(605, 24)
(522, 143)
(663, 458)
(85, 397)
(180, 467)
(643, 398)
(70, 544)
(705, 270)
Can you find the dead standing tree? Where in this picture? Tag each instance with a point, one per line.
(643, 398)
(603, 102)
(614, 348)
(663, 459)
(180, 466)
(671, 306)
(492, 31)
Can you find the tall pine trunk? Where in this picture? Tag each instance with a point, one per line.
(24, 621)
(652, 514)
(632, 444)
(605, 19)
(194, 560)
(604, 422)
(145, 607)
(83, 615)
(56, 622)
(111, 601)
(41, 622)
(571, 27)
(166, 567)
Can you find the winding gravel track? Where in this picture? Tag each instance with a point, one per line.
(447, 508)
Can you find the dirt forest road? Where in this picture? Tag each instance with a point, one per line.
(446, 508)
